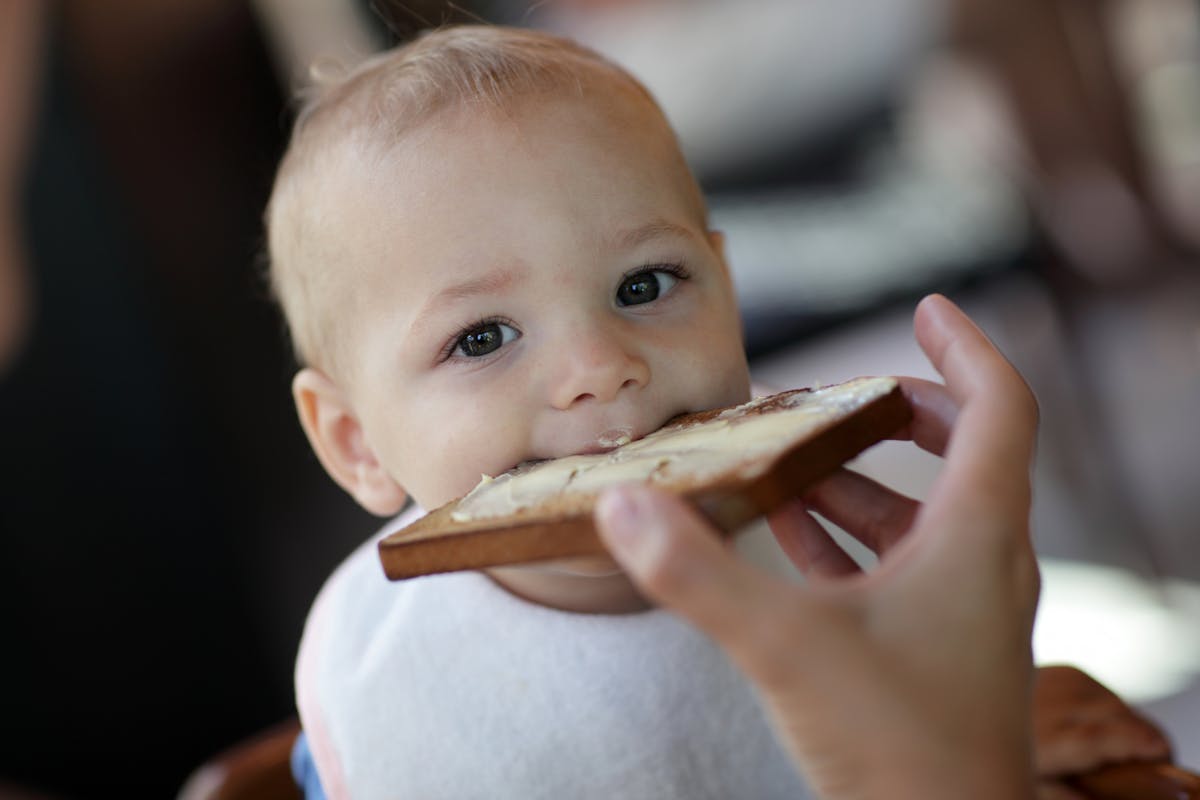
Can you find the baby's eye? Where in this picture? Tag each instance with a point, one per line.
(645, 287)
(484, 339)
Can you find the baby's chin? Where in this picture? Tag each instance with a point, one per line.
(582, 567)
(591, 585)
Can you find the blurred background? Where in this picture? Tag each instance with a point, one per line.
(163, 526)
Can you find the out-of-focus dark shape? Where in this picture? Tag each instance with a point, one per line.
(21, 24)
(1058, 65)
(151, 464)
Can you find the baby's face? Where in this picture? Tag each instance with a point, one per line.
(528, 287)
(532, 287)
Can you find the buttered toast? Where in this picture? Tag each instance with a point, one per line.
(734, 464)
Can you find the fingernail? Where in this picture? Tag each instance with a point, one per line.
(619, 513)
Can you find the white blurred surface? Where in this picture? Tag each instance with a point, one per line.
(1139, 638)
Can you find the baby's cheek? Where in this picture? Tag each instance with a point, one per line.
(449, 455)
(731, 379)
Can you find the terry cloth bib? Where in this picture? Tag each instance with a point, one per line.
(447, 686)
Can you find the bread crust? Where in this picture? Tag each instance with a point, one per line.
(562, 525)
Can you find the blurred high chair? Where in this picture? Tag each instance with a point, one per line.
(258, 768)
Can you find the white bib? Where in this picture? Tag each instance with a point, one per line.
(449, 687)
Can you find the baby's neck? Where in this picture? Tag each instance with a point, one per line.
(559, 585)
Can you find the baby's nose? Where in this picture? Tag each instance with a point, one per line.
(597, 369)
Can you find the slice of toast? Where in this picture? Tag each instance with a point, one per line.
(735, 464)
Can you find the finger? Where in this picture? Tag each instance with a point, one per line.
(678, 560)
(807, 544)
(961, 353)
(867, 510)
(974, 525)
(991, 446)
(934, 413)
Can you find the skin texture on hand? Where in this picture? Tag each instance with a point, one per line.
(911, 681)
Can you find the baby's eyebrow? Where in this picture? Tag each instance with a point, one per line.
(494, 281)
(652, 230)
(488, 283)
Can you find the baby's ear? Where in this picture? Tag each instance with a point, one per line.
(336, 435)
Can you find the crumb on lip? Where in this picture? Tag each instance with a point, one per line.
(615, 437)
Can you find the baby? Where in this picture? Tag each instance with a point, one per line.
(489, 251)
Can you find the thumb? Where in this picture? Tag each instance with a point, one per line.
(678, 560)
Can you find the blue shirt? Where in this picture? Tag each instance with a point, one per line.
(305, 771)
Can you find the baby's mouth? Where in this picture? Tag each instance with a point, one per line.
(608, 440)
(524, 465)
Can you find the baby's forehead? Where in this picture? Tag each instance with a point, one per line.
(368, 163)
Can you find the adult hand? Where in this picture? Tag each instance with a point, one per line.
(913, 680)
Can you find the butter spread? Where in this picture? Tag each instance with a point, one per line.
(736, 439)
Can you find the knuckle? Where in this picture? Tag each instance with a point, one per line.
(884, 523)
